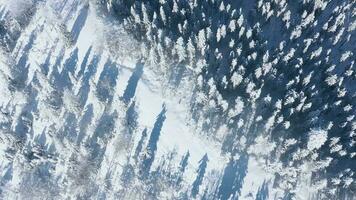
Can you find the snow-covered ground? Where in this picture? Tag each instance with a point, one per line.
(50, 42)
(65, 131)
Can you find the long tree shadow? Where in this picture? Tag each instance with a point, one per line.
(85, 88)
(79, 23)
(132, 83)
(107, 81)
(233, 178)
(151, 148)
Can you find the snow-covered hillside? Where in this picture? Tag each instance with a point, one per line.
(198, 99)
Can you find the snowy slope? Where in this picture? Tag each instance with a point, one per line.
(96, 105)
